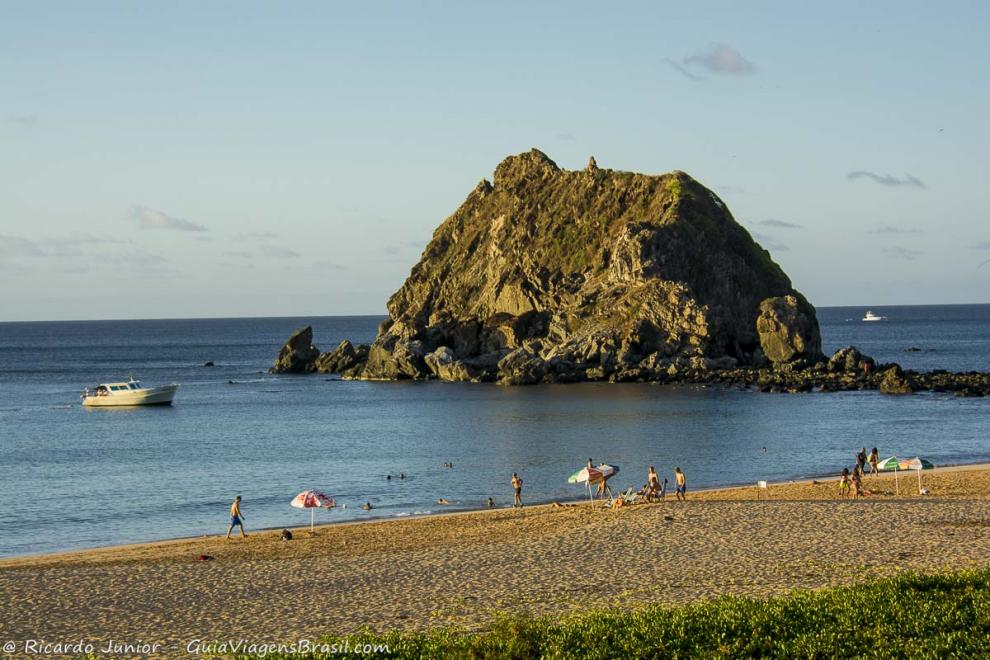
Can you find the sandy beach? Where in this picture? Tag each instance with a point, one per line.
(462, 568)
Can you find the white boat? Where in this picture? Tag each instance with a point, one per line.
(131, 393)
(870, 316)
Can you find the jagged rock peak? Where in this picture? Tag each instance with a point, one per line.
(592, 164)
(555, 275)
(532, 164)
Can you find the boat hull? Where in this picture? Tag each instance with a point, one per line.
(152, 396)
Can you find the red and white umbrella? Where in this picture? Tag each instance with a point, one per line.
(593, 475)
(313, 499)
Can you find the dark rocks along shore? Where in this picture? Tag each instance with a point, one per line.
(552, 276)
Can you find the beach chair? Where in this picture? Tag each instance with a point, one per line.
(629, 496)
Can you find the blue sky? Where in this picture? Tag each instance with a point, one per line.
(191, 159)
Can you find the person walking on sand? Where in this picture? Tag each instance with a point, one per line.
(861, 459)
(681, 484)
(236, 517)
(517, 489)
(875, 461)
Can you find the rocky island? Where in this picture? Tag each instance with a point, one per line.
(546, 275)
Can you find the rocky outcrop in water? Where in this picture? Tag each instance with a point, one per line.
(549, 275)
(298, 355)
(847, 370)
(788, 331)
(342, 360)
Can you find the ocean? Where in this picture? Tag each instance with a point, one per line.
(76, 477)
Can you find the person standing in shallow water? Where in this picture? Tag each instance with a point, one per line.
(861, 460)
(236, 517)
(681, 484)
(517, 489)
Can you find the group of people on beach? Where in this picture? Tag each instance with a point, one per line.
(653, 491)
(852, 482)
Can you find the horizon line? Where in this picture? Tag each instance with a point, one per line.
(384, 315)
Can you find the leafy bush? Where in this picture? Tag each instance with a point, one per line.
(928, 616)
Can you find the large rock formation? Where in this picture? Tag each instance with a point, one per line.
(554, 275)
(788, 330)
(298, 355)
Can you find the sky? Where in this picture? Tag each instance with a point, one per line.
(211, 159)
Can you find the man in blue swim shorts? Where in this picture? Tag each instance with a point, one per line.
(236, 517)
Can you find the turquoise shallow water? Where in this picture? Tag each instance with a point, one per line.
(75, 477)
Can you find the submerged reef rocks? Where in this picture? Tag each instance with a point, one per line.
(547, 275)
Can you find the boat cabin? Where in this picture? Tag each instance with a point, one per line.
(106, 389)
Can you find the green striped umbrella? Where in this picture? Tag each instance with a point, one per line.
(916, 463)
(889, 464)
(919, 464)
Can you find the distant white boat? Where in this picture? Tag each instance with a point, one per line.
(131, 393)
(870, 316)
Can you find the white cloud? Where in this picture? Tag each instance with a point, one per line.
(148, 218)
(886, 179)
(891, 229)
(278, 252)
(780, 224)
(719, 59)
(769, 242)
(255, 236)
(26, 121)
(903, 253)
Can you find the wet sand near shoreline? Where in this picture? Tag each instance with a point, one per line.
(460, 569)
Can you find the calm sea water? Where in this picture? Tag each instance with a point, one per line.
(75, 477)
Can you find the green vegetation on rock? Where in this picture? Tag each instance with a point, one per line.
(600, 273)
(551, 275)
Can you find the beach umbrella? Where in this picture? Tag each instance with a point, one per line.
(916, 463)
(593, 475)
(888, 465)
(312, 500)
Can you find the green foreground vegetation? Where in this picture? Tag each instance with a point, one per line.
(930, 616)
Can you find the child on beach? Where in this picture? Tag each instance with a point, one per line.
(681, 484)
(844, 483)
(236, 517)
(857, 480)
